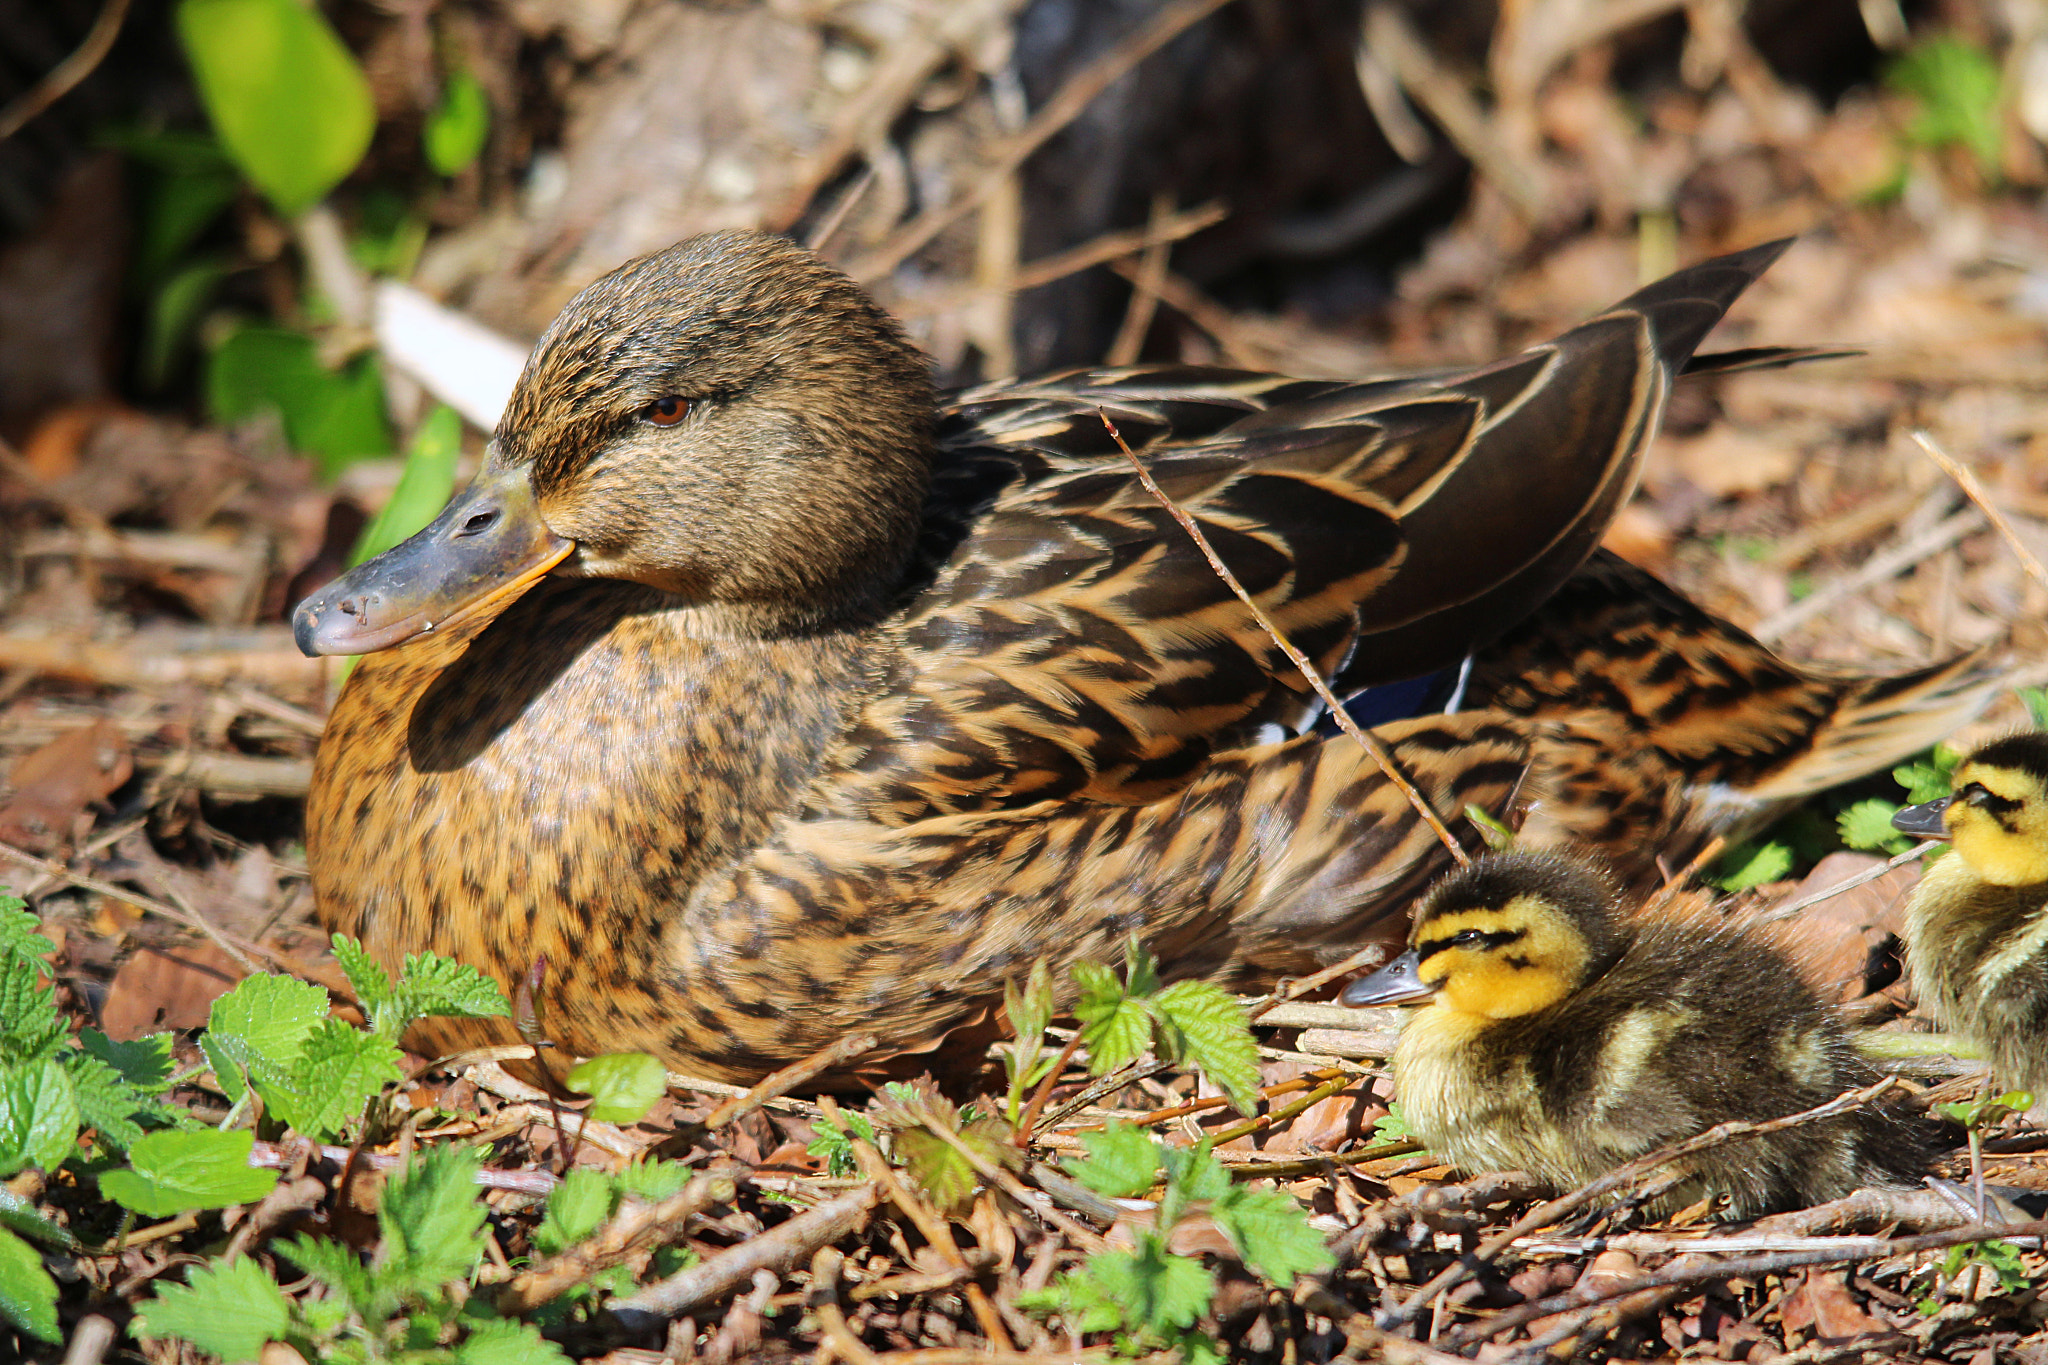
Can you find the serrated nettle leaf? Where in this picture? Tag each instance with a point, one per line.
(28, 1296)
(341, 1269)
(438, 985)
(1754, 865)
(508, 1343)
(30, 1027)
(231, 1309)
(432, 1221)
(1122, 1161)
(337, 1070)
(106, 1103)
(655, 1178)
(939, 1168)
(622, 1086)
(578, 1207)
(265, 1016)
(38, 1116)
(1204, 1024)
(172, 1173)
(1157, 1290)
(373, 986)
(292, 107)
(144, 1063)
(1271, 1233)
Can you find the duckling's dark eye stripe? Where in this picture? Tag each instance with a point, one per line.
(1977, 794)
(1481, 939)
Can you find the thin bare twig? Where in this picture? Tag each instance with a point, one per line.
(1974, 491)
(1870, 874)
(1338, 714)
(1063, 108)
(65, 75)
(780, 1249)
(776, 1084)
(636, 1227)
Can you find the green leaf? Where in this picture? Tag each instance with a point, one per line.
(1077, 1299)
(1868, 825)
(21, 933)
(38, 1116)
(1115, 1026)
(191, 184)
(30, 1028)
(657, 1178)
(1752, 865)
(374, 989)
(1194, 1172)
(1200, 1022)
(339, 1268)
(269, 1017)
(230, 1309)
(1158, 1291)
(1498, 837)
(423, 489)
(938, 1167)
(624, 1085)
(338, 1069)
(106, 1103)
(1959, 90)
(2035, 699)
(20, 1214)
(1030, 1009)
(1122, 1161)
(508, 1343)
(175, 307)
(1928, 778)
(432, 1221)
(432, 984)
(144, 1063)
(1391, 1126)
(337, 415)
(175, 1172)
(1271, 1233)
(456, 129)
(578, 1207)
(291, 105)
(832, 1143)
(28, 1296)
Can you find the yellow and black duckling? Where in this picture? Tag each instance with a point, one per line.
(768, 696)
(1977, 924)
(1563, 1038)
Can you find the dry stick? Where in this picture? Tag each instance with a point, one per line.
(1182, 296)
(1285, 1112)
(1547, 1213)
(1181, 1111)
(637, 1226)
(237, 948)
(67, 73)
(1689, 1272)
(1974, 491)
(936, 1231)
(275, 1156)
(1315, 680)
(779, 1083)
(1045, 1088)
(1063, 108)
(1110, 246)
(1869, 874)
(1144, 304)
(1875, 570)
(823, 1301)
(1009, 1184)
(780, 1249)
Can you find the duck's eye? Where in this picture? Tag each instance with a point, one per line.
(1467, 938)
(1977, 794)
(666, 412)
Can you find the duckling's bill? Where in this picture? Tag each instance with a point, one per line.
(1926, 820)
(1398, 983)
(488, 545)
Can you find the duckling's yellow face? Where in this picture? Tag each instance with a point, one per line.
(1501, 961)
(1510, 934)
(1998, 820)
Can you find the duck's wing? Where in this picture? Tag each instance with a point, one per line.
(1071, 640)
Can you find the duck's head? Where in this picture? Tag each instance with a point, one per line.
(1508, 935)
(730, 420)
(1996, 812)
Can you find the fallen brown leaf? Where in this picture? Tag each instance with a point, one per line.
(159, 988)
(55, 784)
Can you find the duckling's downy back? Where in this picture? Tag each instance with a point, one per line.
(1565, 1038)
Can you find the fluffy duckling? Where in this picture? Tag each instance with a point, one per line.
(1564, 1038)
(1977, 925)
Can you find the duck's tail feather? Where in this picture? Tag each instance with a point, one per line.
(1683, 307)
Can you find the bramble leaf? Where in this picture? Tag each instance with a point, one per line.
(1122, 1161)
(508, 1343)
(1202, 1023)
(1868, 825)
(1271, 1233)
(1157, 1290)
(1116, 1026)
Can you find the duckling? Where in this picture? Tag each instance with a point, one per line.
(1564, 1038)
(770, 697)
(1976, 930)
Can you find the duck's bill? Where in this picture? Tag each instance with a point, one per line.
(1924, 820)
(488, 545)
(1394, 984)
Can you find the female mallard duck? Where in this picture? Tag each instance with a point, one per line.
(768, 699)
(1977, 924)
(1563, 1039)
